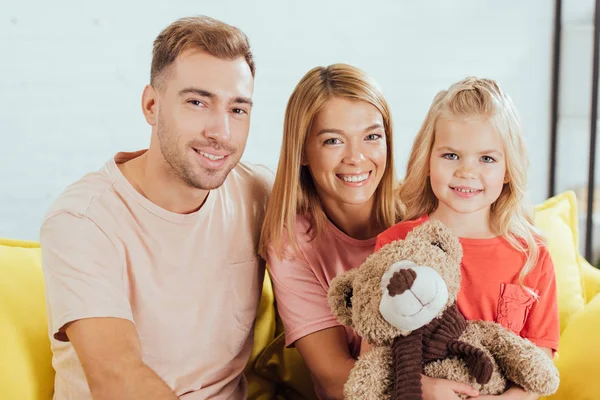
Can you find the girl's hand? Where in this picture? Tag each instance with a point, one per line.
(443, 389)
(514, 393)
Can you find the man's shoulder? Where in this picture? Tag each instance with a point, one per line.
(257, 178)
(82, 195)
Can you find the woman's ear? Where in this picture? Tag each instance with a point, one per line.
(303, 161)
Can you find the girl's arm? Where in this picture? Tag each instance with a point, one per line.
(516, 393)
(328, 359)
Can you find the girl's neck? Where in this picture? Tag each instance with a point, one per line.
(475, 225)
(356, 221)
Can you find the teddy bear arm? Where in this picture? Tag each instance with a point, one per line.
(477, 362)
(370, 377)
(521, 362)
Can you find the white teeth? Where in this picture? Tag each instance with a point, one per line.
(466, 190)
(211, 157)
(355, 178)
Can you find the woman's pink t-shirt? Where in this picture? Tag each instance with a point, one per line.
(301, 282)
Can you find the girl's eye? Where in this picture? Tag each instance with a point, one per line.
(373, 136)
(487, 159)
(450, 156)
(332, 141)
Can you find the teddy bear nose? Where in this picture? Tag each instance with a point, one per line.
(401, 281)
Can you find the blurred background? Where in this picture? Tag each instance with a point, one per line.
(72, 74)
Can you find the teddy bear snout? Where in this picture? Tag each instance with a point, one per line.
(401, 281)
(411, 295)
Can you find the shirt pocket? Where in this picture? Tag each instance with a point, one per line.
(246, 282)
(514, 305)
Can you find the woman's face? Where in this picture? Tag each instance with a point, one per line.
(346, 152)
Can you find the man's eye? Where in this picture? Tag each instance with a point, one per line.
(239, 111)
(195, 102)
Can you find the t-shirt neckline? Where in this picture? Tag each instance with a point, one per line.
(115, 172)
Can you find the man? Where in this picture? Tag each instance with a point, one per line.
(151, 266)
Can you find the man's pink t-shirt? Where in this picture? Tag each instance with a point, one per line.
(190, 283)
(301, 282)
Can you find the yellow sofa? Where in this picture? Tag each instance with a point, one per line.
(275, 372)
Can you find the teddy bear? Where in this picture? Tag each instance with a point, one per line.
(402, 301)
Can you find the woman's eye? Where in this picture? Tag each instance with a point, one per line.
(332, 141)
(450, 156)
(373, 136)
(487, 159)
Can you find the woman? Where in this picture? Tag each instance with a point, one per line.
(333, 194)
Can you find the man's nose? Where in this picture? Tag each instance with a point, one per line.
(217, 127)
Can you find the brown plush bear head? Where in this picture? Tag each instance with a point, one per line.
(402, 287)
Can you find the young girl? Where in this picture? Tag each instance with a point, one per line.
(467, 169)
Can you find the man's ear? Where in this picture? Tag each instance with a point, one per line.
(149, 104)
(340, 296)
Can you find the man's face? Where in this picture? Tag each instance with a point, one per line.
(204, 106)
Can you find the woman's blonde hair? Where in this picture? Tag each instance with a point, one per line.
(294, 190)
(509, 217)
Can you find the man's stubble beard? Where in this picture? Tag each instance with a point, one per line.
(181, 168)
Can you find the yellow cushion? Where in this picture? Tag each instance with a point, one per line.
(579, 355)
(274, 364)
(590, 277)
(260, 388)
(557, 219)
(26, 361)
(286, 367)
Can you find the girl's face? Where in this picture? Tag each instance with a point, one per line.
(346, 152)
(467, 166)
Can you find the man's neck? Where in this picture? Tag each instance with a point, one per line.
(356, 221)
(153, 178)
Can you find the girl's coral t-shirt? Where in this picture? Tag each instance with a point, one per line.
(490, 287)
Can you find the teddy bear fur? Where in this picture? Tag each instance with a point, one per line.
(436, 342)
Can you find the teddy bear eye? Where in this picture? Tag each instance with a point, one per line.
(438, 244)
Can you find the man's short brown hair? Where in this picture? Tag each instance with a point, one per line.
(203, 33)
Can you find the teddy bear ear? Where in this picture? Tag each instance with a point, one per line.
(439, 236)
(340, 296)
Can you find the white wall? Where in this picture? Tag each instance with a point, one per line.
(72, 73)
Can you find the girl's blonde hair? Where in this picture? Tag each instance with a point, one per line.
(509, 217)
(294, 190)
